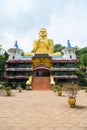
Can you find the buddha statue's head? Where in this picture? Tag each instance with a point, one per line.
(43, 32)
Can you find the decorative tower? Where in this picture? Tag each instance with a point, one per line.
(69, 51)
(15, 52)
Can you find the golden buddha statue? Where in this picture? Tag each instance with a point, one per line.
(43, 45)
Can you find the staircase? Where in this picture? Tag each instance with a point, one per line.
(41, 83)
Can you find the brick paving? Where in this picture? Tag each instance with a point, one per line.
(42, 110)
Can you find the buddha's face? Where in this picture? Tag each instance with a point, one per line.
(43, 32)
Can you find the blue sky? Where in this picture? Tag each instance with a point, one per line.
(21, 20)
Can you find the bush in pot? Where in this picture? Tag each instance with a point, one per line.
(71, 89)
(8, 90)
(59, 89)
(19, 89)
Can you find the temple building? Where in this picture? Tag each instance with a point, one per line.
(41, 68)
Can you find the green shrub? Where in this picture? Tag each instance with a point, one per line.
(28, 87)
(8, 88)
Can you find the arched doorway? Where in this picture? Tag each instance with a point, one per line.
(41, 78)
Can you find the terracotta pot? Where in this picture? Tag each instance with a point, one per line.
(86, 90)
(9, 93)
(20, 90)
(59, 93)
(72, 101)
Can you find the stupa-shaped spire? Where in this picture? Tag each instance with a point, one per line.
(16, 45)
(68, 44)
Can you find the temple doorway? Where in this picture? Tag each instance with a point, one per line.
(41, 79)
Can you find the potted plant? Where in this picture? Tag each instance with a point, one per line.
(71, 89)
(28, 87)
(2, 87)
(19, 89)
(59, 89)
(8, 90)
(14, 84)
(86, 89)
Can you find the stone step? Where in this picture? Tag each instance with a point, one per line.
(41, 83)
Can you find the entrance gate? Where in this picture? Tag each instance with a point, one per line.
(41, 79)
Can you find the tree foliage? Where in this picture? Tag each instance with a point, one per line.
(82, 57)
(81, 51)
(3, 58)
(58, 48)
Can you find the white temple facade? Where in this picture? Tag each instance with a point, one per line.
(15, 52)
(69, 52)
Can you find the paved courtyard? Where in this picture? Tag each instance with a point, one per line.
(42, 110)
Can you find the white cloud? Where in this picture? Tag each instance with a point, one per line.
(21, 20)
